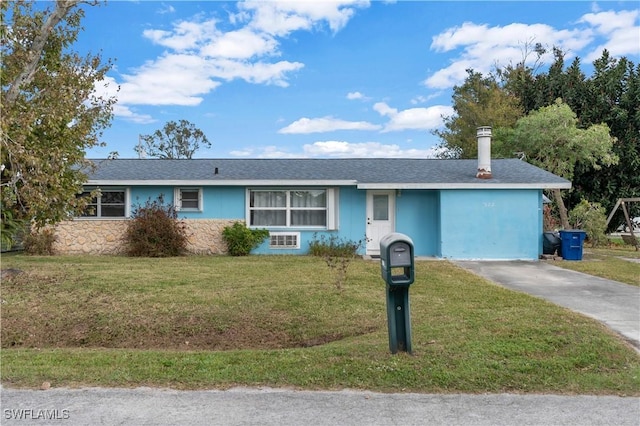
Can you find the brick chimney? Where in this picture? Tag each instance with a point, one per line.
(484, 152)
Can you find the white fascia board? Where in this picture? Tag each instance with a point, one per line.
(217, 182)
(483, 185)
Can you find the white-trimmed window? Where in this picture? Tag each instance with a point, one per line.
(111, 203)
(188, 199)
(284, 240)
(295, 208)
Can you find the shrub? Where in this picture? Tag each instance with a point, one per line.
(241, 240)
(155, 231)
(591, 218)
(39, 242)
(12, 230)
(337, 253)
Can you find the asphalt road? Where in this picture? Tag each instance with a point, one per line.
(240, 406)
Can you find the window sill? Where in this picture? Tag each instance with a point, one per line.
(100, 218)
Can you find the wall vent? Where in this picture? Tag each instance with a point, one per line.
(284, 240)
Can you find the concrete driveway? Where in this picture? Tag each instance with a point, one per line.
(615, 304)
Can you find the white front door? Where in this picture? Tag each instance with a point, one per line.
(381, 209)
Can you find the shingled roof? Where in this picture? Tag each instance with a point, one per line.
(365, 173)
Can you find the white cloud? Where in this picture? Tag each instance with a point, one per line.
(283, 17)
(166, 8)
(258, 72)
(185, 35)
(241, 44)
(247, 152)
(338, 149)
(412, 118)
(325, 124)
(344, 149)
(482, 47)
(199, 55)
(170, 80)
(354, 95)
(608, 22)
(619, 30)
(128, 114)
(108, 89)
(270, 151)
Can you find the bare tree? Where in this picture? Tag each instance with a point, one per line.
(175, 140)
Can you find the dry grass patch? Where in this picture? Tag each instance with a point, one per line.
(180, 303)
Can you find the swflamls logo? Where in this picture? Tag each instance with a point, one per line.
(39, 414)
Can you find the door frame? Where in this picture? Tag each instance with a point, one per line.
(373, 238)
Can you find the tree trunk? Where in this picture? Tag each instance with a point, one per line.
(564, 217)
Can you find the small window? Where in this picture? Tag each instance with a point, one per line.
(189, 199)
(110, 203)
(285, 240)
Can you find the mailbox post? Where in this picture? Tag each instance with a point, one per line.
(398, 270)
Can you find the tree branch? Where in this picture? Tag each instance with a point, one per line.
(35, 52)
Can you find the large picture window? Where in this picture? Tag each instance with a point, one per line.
(288, 208)
(110, 203)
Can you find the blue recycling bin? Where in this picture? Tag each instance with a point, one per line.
(571, 243)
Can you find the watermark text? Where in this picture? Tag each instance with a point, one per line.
(36, 414)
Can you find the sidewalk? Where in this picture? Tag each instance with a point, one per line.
(615, 304)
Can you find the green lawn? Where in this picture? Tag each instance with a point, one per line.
(215, 322)
(613, 263)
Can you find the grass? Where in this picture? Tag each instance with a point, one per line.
(216, 322)
(611, 263)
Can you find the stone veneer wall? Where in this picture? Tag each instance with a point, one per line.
(106, 236)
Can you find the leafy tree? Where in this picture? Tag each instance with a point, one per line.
(479, 101)
(175, 140)
(51, 113)
(591, 218)
(520, 80)
(550, 139)
(611, 96)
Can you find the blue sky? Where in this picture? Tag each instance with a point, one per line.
(324, 79)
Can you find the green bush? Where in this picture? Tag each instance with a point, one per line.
(241, 240)
(591, 218)
(39, 242)
(337, 253)
(155, 231)
(12, 230)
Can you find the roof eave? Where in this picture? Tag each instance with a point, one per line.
(217, 182)
(479, 185)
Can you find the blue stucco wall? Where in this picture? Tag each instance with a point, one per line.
(217, 202)
(455, 224)
(141, 194)
(417, 216)
(491, 224)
